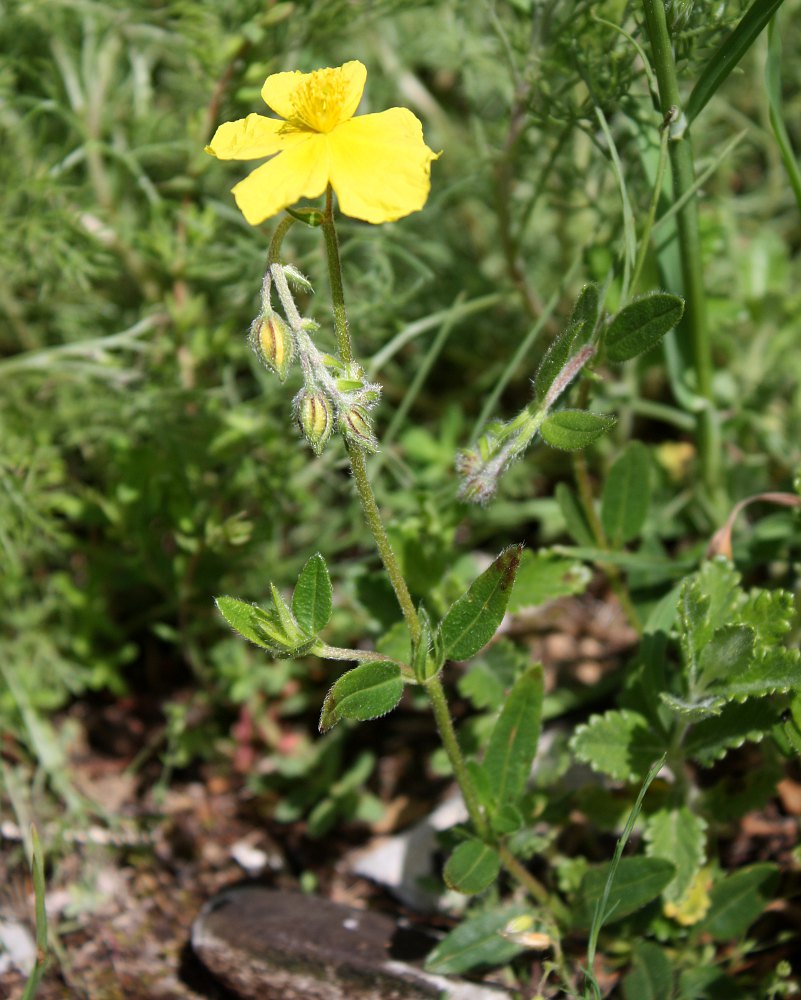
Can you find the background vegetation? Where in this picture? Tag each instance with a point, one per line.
(147, 463)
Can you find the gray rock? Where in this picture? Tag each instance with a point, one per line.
(266, 944)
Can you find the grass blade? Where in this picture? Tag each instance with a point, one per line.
(774, 89)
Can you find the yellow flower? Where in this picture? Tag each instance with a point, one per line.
(378, 164)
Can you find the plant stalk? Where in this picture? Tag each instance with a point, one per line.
(694, 325)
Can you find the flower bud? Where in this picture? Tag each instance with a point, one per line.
(357, 428)
(314, 415)
(272, 340)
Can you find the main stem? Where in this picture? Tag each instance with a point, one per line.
(683, 171)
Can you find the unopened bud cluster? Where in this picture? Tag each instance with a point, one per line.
(334, 395)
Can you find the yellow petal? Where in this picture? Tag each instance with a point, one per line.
(252, 138)
(298, 172)
(380, 165)
(321, 100)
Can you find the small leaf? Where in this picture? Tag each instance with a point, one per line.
(477, 941)
(637, 882)
(312, 598)
(677, 835)
(543, 576)
(627, 495)
(730, 51)
(575, 518)
(507, 820)
(709, 740)
(514, 738)
(739, 899)
(366, 692)
(245, 619)
(641, 324)
(651, 976)
(572, 430)
(621, 744)
(474, 619)
(472, 867)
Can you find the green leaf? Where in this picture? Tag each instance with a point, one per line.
(641, 324)
(737, 901)
(677, 835)
(730, 51)
(627, 495)
(246, 619)
(575, 335)
(472, 867)
(543, 576)
(312, 598)
(507, 820)
(474, 619)
(621, 744)
(637, 882)
(366, 692)
(651, 976)
(736, 723)
(575, 519)
(572, 430)
(514, 738)
(476, 942)
(727, 654)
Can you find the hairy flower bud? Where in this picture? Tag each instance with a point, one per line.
(314, 415)
(272, 340)
(357, 428)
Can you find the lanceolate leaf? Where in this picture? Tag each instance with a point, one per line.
(728, 54)
(641, 324)
(651, 976)
(514, 738)
(474, 619)
(244, 618)
(312, 599)
(572, 430)
(739, 899)
(477, 941)
(543, 576)
(472, 867)
(637, 882)
(367, 692)
(627, 495)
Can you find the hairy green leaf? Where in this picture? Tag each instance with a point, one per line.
(726, 656)
(641, 324)
(574, 336)
(637, 882)
(477, 941)
(621, 744)
(737, 900)
(735, 724)
(677, 835)
(312, 598)
(472, 867)
(246, 619)
(575, 519)
(543, 576)
(572, 430)
(514, 738)
(626, 495)
(728, 54)
(474, 619)
(366, 692)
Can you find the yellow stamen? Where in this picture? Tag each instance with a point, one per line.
(319, 99)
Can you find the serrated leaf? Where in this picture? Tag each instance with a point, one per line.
(728, 54)
(651, 975)
(366, 692)
(543, 576)
(514, 738)
(477, 942)
(737, 723)
(472, 867)
(726, 656)
(694, 709)
(769, 613)
(312, 597)
(737, 901)
(474, 619)
(677, 835)
(626, 495)
(572, 430)
(637, 882)
(772, 672)
(641, 324)
(622, 744)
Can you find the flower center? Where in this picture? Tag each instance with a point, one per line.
(318, 101)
